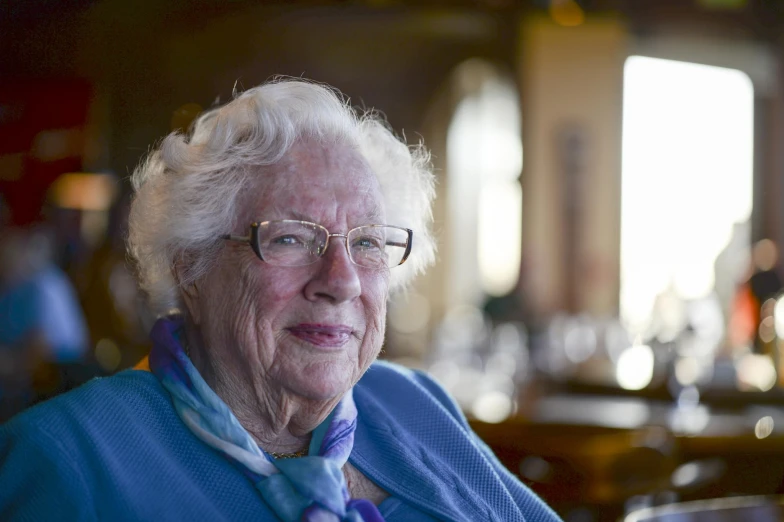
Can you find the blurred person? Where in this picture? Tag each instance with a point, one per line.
(765, 282)
(765, 285)
(730, 266)
(269, 240)
(43, 337)
(762, 284)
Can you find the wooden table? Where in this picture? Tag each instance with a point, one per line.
(601, 451)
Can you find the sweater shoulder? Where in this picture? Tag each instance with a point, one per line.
(381, 372)
(101, 402)
(384, 375)
(392, 384)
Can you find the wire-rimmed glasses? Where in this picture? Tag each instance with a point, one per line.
(290, 242)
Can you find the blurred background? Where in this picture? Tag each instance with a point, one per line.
(606, 307)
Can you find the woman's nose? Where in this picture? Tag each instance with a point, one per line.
(337, 277)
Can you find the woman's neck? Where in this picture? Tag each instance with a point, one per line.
(278, 421)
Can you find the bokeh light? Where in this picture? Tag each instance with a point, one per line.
(634, 370)
(764, 427)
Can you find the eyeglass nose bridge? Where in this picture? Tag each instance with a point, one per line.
(323, 251)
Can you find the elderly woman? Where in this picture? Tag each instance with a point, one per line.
(269, 241)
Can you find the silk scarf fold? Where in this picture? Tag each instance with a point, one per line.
(310, 488)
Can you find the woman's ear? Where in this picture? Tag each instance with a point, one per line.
(189, 293)
(190, 297)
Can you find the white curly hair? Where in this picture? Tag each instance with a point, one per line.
(187, 190)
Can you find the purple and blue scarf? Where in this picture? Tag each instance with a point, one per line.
(310, 488)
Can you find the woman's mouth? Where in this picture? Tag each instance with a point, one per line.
(322, 335)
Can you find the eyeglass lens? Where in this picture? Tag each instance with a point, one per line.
(298, 243)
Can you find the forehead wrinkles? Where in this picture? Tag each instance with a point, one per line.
(320, 164)
(309, 165)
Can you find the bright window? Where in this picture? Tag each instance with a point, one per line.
(686, 177)
(485, 157)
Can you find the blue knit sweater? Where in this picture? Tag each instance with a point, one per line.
(115, 449)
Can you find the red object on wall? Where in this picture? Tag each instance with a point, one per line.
(42, 135)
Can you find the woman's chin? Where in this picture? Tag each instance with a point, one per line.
(321, 386)
(324, 392)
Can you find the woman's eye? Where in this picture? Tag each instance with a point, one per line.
(286, 241)
(367, 243)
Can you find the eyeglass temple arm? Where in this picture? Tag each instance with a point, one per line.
(230, 237)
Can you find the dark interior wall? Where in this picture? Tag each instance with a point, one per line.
(147, 59)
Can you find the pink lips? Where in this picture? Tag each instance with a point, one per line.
(322, 335)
